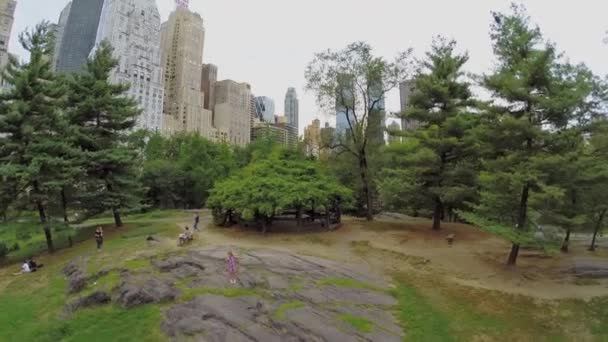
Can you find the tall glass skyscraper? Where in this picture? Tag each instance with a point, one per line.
(266, 108)
(292, 108)
(79, 35)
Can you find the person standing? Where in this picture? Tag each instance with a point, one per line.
(99, 237)
(232, 267)
(196, 220)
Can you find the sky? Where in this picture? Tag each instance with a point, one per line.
(268, 43)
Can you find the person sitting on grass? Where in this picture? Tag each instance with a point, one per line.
(25, 268)
(34, 266)
(185, 237)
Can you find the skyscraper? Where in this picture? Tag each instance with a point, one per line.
(266, 107)
(7, 13)
(292, 108)
(312, 138)
(377, 114)
(132, 27)
(345, 104)
(405, 92)
(59, 31)
(208, 80)
(79, 35)
(394, 127)
(182, 43)
(232, 116)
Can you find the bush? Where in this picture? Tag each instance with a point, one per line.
(3, 250)
(15, 247)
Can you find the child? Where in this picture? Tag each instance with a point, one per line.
(232, 266)
(99, 237)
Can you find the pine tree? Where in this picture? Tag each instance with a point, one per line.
(34, 154)
(104, 115)
(535, 97)
(438, 159)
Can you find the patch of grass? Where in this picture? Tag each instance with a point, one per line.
(418, 317)
(188, 294)
(136, 264)
(359, 323)
(348, 283)
(317, 240)
(281, 312)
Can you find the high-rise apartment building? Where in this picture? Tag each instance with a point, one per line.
(292, 108)
(406, 89)
(182, 43)
(345, 104)
(59, 31)
(132, 27)
(266, 108)
(232, 115)
(377, 114)
(312, 138)
(208, 80)
(7, 14)
(79, 35)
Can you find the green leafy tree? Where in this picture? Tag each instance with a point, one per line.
(269, 186)
(535, 97)
(355, 81)
(436, 162)
(104, 115)
(35, 155)
(181, 170)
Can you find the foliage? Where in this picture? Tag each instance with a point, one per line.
(181, 170)
(535, 97)
(281, 181)
(354, 82)
(3, 250)
(102, 116)
(435, 164)
(36, 159)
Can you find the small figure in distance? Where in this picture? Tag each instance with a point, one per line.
(232, 267)
(99, 237)
(34, 266)
(25, 268)
(196, 221)
(185, 237)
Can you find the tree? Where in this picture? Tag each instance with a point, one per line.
(437, 160)
(354, 82)
(180, 171)
(34, 155)
(104, 115)
(267, 187)
(535, 96)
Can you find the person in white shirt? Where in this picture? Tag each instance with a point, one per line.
(25, 268)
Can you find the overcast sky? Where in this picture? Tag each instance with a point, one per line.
(268, 43)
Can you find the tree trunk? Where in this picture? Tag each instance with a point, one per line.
(299, 217)
(339, 212)
(598, 225)
(566, 242)
(521, 222)
(117, 219)
(64, 206)
(327, 218)
(366, 187)
(437, 213)
(46, 227)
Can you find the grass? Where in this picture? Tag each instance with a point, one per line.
(348, 283)
(359, 323)
(188, 294)
(281, 312)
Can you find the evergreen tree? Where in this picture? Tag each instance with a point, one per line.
(536, 96)
(436, 161)
(34, 153)
(104, 115)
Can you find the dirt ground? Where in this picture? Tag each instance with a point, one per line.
(394, 244)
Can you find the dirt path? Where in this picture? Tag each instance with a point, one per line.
(397, 245)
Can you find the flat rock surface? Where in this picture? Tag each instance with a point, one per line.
(588, 267)
(279, 297)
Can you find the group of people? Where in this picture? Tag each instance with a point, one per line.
(29, 266)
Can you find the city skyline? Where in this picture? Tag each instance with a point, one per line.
(281, 65)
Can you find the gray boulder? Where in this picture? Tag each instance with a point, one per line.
(134, 291)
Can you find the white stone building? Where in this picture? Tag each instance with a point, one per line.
(133, 29)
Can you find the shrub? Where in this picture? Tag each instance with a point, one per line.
(15, 247)
(23, 234)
